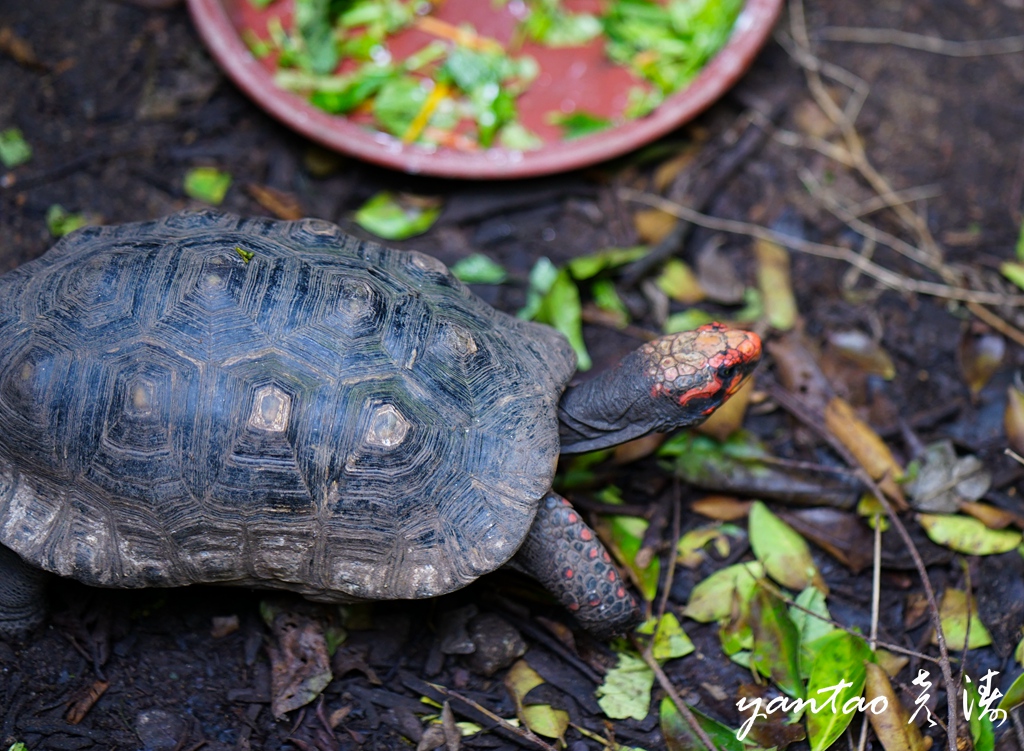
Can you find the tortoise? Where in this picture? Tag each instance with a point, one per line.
(211, 399)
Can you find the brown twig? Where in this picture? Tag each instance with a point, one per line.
(922, 42)
(754, 135)
(525, 734)
(880, 274)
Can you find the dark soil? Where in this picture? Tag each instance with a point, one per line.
(119, 99)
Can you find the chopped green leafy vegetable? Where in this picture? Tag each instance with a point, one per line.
(386, 216)
(207, 184)
(460, 89)
(14, 149)
(578, 124)
(245, 255)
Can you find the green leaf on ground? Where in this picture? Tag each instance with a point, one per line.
(386, 216)
(840, 659)
(207, 184)
(776, 652)
(670, 641)
(784, 553)
(679, 736)
(626, 691)
(714, 598)
(14, 149)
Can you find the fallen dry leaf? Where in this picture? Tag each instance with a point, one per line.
(980, 354)
(728, 418)
(892, 724)
(1013, 419)
(299, 663)
(960, 622)
(797, 370)
(84, 700)
(652, 225)
(860, 349)
(842, 533)
(277, 202)
(992, 516)
(866, 446)
(776, 286)
(722, 507)
(223, 626)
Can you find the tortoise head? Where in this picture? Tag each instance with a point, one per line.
(673, 382)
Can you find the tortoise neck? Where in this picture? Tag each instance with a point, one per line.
(605, 411)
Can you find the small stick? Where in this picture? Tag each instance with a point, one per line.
(922, 42)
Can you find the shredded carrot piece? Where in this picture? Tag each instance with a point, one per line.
(419, 122)
(451, 140)
(453, 33)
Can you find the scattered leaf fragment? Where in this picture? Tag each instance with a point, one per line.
(60, 222)
(223, 625)
(299, 661)
(690, 550)
(712, 599)
(652, 225)
(980, 354)
(207, 184)
(776, 287)
(965, 534)
(624, 535)
(811, 605)
(863, 351)
(867, 447)
(14, 149)
(992, 517)
(678, 281)
(395, 217)
(553, 298)
(245, 255)
(679, 736)
(955, 614)
(479, 269)
(670, 641)
(721, 507)
(888, 717)
(784, 553)
(1014, 270)
(84, 700)
(892, 663)
(1013, 419)
(626, 691)
(542, 719)
(944, 480)
(279, 203)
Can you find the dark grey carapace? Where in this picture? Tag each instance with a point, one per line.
(212, 399)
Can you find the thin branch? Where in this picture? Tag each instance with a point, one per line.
(881, 274)
(922, 42)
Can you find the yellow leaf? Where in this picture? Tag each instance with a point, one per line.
(1013, 419)
(866, 445)
(956, 614)
(965, 534)
(776, 288)
(888, 717)
(540, 718)
(652, 225)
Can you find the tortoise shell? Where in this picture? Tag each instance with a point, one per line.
(207, 398)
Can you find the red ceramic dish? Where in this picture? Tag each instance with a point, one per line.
(570, 78)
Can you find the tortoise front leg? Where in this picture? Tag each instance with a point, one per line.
(21, 594)
(564, 554)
